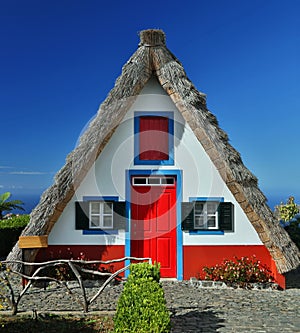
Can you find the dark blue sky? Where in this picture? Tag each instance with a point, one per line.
(60, 58)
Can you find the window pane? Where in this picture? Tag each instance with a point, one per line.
(168, 181)
(212, 207)
(107, 208)
(95, 208)
(199, 222)
(95, 221)
(154, 181)
(139, 181)
(211, 222)
(199, 208)
(107, 221)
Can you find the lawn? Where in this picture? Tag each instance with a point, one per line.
(56, 324)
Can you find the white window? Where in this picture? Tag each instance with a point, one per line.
(101, 215)
(153, 181)
(206, 215)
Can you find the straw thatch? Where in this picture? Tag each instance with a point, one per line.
(153, 58)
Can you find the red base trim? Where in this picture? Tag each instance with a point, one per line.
(196, 257)
(85, 252)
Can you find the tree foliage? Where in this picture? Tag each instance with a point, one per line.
(287, 211)
(7, 206)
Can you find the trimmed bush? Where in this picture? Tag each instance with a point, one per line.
(142, 305)
(10, 230)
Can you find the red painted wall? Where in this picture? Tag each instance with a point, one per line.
(196, 257)
(85, 252)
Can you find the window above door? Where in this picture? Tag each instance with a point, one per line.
(154, 141)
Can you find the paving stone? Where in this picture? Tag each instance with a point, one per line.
(192, 309)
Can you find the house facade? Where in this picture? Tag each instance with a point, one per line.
(154, 176)
(154, 192)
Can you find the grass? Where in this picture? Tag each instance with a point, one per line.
(56, 324)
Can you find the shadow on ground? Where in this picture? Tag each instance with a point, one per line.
(190, 320)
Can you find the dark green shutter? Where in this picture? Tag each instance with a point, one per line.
(81, 215)
(226, 216)
(119, 215)
(187, 216)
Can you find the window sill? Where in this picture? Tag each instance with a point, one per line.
(100, 232)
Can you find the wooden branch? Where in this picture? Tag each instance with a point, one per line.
(75, 267)
(92, 272)
(79, 279)
(66, 261)
(107, 282)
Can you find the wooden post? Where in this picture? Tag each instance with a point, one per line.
(31, 242)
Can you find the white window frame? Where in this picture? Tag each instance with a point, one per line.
(206, 215)
(153, 181)
(100, 214)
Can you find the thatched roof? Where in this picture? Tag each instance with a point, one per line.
(153, 58)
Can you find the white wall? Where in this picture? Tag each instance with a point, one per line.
(107, 177)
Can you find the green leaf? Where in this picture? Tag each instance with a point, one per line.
(4, 196)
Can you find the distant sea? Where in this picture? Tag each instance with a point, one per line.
(29, 200)
(32, 199)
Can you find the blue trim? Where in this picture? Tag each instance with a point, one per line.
(220, 199)
(137, 161)
(100, 198)
(128, 217)
(179, 234)
(206, 232)
(100, 231)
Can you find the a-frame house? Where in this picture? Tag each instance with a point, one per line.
(154, 175)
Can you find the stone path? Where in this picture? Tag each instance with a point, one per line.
(193, 309)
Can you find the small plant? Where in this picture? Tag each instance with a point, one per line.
(287, 211)
(142, 305)
(240, 271)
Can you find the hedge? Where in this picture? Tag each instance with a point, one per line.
(10, 230)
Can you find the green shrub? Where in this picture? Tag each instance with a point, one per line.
(142, 305)
(10, 230)
(16, 221)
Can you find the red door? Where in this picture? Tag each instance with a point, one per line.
(153, 221)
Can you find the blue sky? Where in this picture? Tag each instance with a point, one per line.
(60, 58)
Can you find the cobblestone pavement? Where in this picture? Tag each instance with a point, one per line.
(193, 309)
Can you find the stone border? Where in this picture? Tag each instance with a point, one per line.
(194, 282)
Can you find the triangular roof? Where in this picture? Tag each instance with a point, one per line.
(153, 58)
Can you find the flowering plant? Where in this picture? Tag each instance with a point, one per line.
(239, 270)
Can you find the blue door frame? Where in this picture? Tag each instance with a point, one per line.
(178, 174)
